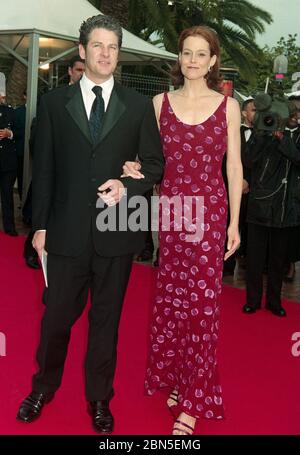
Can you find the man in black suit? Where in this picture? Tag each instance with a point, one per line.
(85, 133)
(75, 69)
(8, 166)
(29, 253)
(248, 113)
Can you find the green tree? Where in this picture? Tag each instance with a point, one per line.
(118, 9)
(263, 68)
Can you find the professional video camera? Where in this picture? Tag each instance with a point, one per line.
(272, 112)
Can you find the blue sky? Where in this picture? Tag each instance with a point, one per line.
(286, 19)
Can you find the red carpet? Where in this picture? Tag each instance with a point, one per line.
(260, 376)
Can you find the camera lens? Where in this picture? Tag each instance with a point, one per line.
(269, 120)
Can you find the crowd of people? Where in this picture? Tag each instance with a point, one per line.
(100, 144)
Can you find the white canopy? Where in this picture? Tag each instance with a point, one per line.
(59, 21)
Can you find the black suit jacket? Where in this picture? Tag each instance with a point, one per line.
(68, 168)
(8, 155)
(246, 168)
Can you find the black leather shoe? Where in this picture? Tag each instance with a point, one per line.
(102, 418)
(32, 406)
(277, 310)
(249, 309)
(32, 262)
(11, 232)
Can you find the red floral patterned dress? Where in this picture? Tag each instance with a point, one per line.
(185, 320)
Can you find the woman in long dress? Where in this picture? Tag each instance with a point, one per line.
(198, 125)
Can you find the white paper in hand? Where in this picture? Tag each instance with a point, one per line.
(44, 267)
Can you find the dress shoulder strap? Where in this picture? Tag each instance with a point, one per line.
(164, 106)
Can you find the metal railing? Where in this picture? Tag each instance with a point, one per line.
(147, 85)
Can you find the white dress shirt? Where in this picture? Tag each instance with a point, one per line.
(291, 130)
(248, 132)
(88, 95)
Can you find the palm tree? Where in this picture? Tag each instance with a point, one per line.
(118, 9)
(154, 21)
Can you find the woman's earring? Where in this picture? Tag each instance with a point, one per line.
(209, 69)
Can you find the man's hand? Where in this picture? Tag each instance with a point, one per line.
(5, 133)
(278, 134)
(245, 189)
(38, 242)
(132, 169)
(111, 192)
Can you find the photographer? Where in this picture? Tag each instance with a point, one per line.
(273, 208)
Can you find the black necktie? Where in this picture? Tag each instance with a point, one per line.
(97, 113)
(290, 133)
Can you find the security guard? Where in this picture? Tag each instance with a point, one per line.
(8, 165)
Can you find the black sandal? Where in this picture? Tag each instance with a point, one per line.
(173, 396)
(188, 427)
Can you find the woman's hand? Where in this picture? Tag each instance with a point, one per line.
(233, 241)
(132, 169)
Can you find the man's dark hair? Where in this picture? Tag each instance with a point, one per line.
(75, 59)
(246, 102)
(99, 21)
